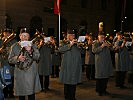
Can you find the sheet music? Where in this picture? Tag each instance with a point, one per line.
(46, 39)
(128, 44)
(81, 39)
(25, 43)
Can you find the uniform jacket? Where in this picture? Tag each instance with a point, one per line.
(45, 61)
(89, 56)
(131, 58)
(26, 82)
(4, 61)
(71, 65)
(121, 57)
(56, 58)
(103, 63)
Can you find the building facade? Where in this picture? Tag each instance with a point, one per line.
(2, 14)
(76, 14)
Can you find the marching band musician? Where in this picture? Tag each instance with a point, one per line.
(90, 60)
(121, 60)
(1, 79)
(71, 66)
(130, 72)
(4, 52)
(103, 64)
(44, 65)
(55, 59)
(26, 78)
(0, 52)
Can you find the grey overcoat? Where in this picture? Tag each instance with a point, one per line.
(71, 65)
(121, 57)
(26, 82)
(103, 63)
(45, 61)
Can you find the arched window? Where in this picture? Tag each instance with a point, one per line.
(8, 21)
(35, 23)
(83, 27)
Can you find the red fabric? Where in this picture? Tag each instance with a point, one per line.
(57, 6)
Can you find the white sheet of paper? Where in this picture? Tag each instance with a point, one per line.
(128, 44)
(25, 43)
(46, 39)
(81, 39)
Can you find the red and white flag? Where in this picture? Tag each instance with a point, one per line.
(57, 6)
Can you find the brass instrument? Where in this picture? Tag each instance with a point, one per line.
(37, 37)
(5, 42)
(9, 38)
(82, 44)
(49, 43)
(1, 35)
(109, 44)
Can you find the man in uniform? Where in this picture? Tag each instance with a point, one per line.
(90, 60)
(103, 64)
(121, 60)
(71, 66)
(4, 52)
(26, 78)
(45, 64)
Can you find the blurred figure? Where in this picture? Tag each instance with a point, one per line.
(1, 86)
(111, 39)
(45, 63)
(4, 53)
(90, 60)
(103, 64)
(130, 72)
(121, 60)
(55, 60)
(115, 38)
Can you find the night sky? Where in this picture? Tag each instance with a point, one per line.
(124, 10)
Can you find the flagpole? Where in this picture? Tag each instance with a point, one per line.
(59, 27)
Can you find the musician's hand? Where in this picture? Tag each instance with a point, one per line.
(104, 44)
(89, 42)
(41, 43)
(1, 50)
(74, 41)
(21, 58)
(123, 44)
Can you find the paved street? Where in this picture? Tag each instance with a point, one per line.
(85, 91)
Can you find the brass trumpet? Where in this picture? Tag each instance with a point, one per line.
(37, 37)
(8, 39)
(3, 49)
(109, 44)
(1, 35)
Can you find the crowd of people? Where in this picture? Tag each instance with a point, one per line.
(26, 68)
